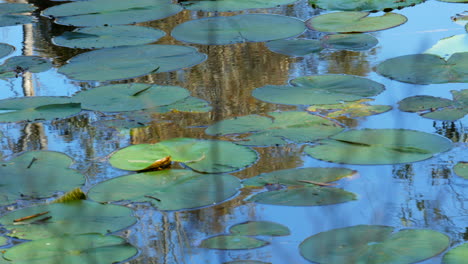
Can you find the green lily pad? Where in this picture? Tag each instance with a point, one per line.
(107, 37)
(189, 104)
(259, 228)
(37, 174)
(9, 11)
(211, 156)
(454, 1)
(446, 47)
(130, 61)
(15, 66)
(6, 49)
(319, 89)
(277, 128)
(457, 255)
(355, 109)
(246, 262)
(71, 218)
(373, 245)
(129, 97)
(379, 146)
(363, 5)
(37, 108)
(461, 169)
(72, 250)
(168, 189)
(231, 5)
(426, 68)
(232, 242)
(111, 12)
(438, 108)
(236, 29)
(302, 47)
(354, 22)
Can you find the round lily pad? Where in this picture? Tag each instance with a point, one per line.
(72, 250)
(189, 104)
(6, 49)
(354, 22)
(373, 244)
(446, 47)
(319, 89)
(379, 146)
(426, 68)
(232, 242)
(168, 189)
(355, 109)
(461, 169)
(37, 108)
(236, 29)
(259, 228)
(363, 5)
(276, 128)
(107, 37)
(211, 156)
(130, 61)
(111, 12)
(129, 97)
(231, 5)
(9, 11)
(15, 66)
(457, 255)
(70, 218)
(37, 174)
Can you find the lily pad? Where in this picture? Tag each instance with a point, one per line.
(37, 174)
(259, 228)
(107, 37)
(37, 108)
(6, 49)
(129, 97)
(189, 104)
(457, 255)
(354, 22)
(211, 156)
(70, 218)
(426, 68)
(9, 14)
(168, 189)
(454, 1)
(130, 61)
(232, 242)
(302, 47)
(15, 66)
(438, 108)
(363, 5)
(373, 244)
(231, 5)
(446, 47)
(72, 250)
(111, 12)
(277, 128)
(246, 262)
(319, 89)
(379, 146)
(237, 29)
(355, 109)
(461, 169)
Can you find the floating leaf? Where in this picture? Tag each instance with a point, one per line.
(454, 1)
(319, 89)
(211, 156)
(373, 244)
(457, 255)
(461, 169)
(259, 228)
(246, 262)
(426, 68)
(71, 196)
(189, 104)
(276, 128)
(8, 11)
(354, 22)
(17, 65)
(72, 250)
(231, 5)
(236, 29)
(37, 108)
(379, 146)
(355, 109)
(438, 108)
(446, 47)
(363, 5)
(70, 218)
(168, 189)
(37, 174)
(110, 12)
(232, 242)
(129, 97)
(108, 36)
(6, 49)
(132, 61)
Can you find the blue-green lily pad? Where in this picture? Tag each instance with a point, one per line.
(5, 49)
(189, 104)
(231, 5)
(457, 255)
(232, 242)
(9, 14)
(461, 169)
(15, 66)
(259, 228)
(363, 5)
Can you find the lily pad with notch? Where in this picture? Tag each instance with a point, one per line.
(259, 228)
(6, 49)
(461, 169)
(355, 109)
(233, 242)
(363, 5)
(15, 66)
(11, 14)
(189, 104)
(456, 255)
(231, 5)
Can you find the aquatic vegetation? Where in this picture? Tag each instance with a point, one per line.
(363, 5)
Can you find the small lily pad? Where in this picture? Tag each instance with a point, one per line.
(130, 61)
(461, 169)
(231, 5)
(224, 30)
(426, 68)
(189, 104)
(319, 89)
(379, 146)
(373, 245)
(446, 47)
(363, 5)
(355, 109)
(108, 36)
(15, 66)
(457, 255)
(168, 189)
(259, 228)
(354, 22)
(111, 12)
(6, 49)
(72, 250)
(9, 14)
(232, 242)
